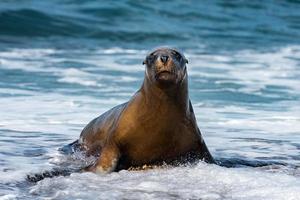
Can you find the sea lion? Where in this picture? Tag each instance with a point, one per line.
(156, 125)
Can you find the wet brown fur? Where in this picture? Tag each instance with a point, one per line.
(156, 125)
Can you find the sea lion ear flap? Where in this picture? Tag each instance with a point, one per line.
(145, 61)
(185, 59)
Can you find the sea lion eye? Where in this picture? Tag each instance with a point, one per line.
(177, 55)
(149, 59)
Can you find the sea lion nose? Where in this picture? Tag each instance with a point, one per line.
(164, 58)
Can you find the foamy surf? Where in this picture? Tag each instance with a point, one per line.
(246, 104)
(202, 181)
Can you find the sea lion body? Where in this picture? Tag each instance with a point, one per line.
(156, 125)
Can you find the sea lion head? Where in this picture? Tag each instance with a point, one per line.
(165, 66)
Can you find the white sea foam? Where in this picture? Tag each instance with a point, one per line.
(255, 70)
(50, 112)
(252, 120)
(200, 182)
(27, 53)
(231, 129)
(73, 75)
(117, 50)
(39, 60)
(8, 197)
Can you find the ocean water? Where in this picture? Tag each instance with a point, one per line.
(62, 63)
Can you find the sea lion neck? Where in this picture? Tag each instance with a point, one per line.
(177, 94)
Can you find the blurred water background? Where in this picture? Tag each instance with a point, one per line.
(64, 62)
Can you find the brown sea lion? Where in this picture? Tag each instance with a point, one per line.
(156, 125)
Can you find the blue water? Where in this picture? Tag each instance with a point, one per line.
(62, 63)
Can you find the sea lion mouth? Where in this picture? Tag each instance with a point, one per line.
(165, 76)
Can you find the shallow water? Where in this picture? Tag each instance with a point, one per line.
(244, 68)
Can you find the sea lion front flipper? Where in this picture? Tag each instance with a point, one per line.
(107, 161)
